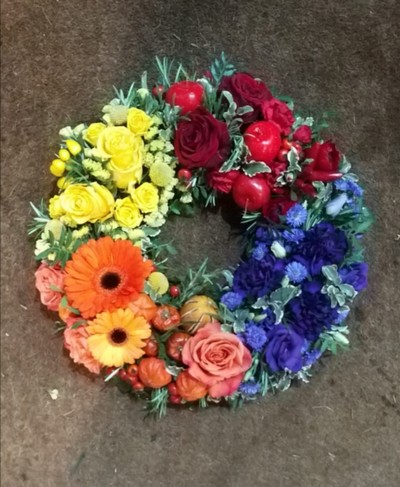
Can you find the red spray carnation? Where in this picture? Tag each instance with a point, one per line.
(324, 166)
(303, 134)
(202, 141)
(221, 181)
(246, 90)
(277, 111)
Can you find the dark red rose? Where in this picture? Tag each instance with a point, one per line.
(278, 206)
(324, 166)
(202, 141)
(246, 90)
(303, 134)
(221, 181)
(277, 111)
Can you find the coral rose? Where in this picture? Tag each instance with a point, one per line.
(75, 341)
(217, 359)
(50, 284)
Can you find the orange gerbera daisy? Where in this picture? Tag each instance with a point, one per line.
(104, 275)
(117, 338)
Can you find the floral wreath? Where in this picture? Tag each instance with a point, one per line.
(205, 337)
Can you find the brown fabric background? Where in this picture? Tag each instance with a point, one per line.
(60, 61)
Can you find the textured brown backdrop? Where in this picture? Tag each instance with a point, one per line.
(60, 61)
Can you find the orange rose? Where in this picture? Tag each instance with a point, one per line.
(143, 306)
(50, 284)
(152, 373)
(217, 359)
(189, 388)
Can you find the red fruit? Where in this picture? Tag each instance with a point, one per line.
(282, 155)
(175, 400)
(174, 291)
(166, 318)
(172, 389)
(185, 94)
(286, 144)
(251, 193)
(175, 345)
(157, 90)
(263, 140)
(151, 348)
(298, 147)
(152, 373)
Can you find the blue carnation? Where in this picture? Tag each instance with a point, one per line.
(255, 336)
(296, 216)
(284, 349)
(232, 300)
(296, 272)
(322, 245)
(249, 388)
(293, 236)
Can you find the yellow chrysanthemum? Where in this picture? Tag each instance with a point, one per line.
(161, 174)
(117, 338)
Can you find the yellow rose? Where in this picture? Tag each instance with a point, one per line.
(91, 134)
(138, 121)
(127, 214)
(146, 197)
(125, 151)
(86, 203)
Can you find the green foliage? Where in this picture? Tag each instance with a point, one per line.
(221, 67)
(40, 220)
(333, 339)
(60, 250)
(157, 404)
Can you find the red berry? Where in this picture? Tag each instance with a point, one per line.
(282, 155)
(123, 374)
(172, 389)
(132, 369)
(298, 147)
(175, 400)
(138, 386)
(151, 348)
(250, 193)
(174, 291)
(263, 140)
(157, 90)
(286, 144)
(184, 175)
(185, 94)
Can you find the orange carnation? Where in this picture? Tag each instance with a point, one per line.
(190, 388)
(104, 275)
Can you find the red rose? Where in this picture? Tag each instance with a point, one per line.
(221, 181)
(324, 166)
(246, 90)
(202, 141)
(303, 134)
(277, 111)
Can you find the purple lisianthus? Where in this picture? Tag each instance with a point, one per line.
(322, 245)
(284, 349)
(311, 312)
(257, 278)
(255, 336)
(232, 300)
(355, 275)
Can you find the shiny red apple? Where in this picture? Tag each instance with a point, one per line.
(263, 140)
(251, 193)
(185, 94)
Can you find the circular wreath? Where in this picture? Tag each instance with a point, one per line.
(204, 337)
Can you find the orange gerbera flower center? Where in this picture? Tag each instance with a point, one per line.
(110, 280)
(118, 336)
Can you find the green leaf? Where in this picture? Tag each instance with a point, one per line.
(284, 294)
(331, 273)
(253, 168)
(78, 323)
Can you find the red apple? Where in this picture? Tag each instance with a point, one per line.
(250, 193)
(185, 94)
(263, 140)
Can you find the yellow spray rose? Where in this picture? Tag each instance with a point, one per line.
(91, 134)
(55, 208)
(125, 151)
(138, 121)
(86, 203)
(146, 197)
(127, 214)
